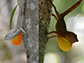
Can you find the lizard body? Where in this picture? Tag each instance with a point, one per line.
(15, 35)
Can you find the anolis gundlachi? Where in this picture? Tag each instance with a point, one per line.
(15, 35)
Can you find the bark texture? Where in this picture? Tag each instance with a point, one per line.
(44, 18)
(36, 22)
(31, 27)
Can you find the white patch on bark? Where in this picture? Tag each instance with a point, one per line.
(37, 28)
(43, 21)
(37, 15)
(32, 6)
(28, 21)
(30, 45)
(35, 50)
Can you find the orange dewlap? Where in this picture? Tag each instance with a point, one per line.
(64, 44)
(17, 40)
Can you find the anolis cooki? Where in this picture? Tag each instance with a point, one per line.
(15, 35)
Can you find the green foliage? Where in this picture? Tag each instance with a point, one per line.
(83, 8)
(63, 5)
(11, 19)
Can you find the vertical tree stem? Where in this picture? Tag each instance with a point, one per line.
(31, 27)
(36, 22)
(44, 18)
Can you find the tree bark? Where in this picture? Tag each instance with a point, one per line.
(31, 27)
(35, 24)
(44, 19)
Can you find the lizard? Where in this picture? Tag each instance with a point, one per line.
(15, 35)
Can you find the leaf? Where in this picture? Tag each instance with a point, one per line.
(11, 19)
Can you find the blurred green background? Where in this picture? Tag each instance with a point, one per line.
(74, 21)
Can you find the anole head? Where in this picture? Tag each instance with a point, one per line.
(16, 39)
(12, 33)
(8, 37)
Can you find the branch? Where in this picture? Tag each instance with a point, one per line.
(31, 28)
(36, 28)
(44, 19)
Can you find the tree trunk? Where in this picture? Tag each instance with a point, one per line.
(31, 27)
(44, 18)
(35, 24)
